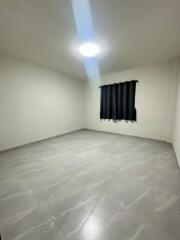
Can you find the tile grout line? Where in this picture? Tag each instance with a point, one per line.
(90, 213)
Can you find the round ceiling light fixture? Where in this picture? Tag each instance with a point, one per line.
(89, 50)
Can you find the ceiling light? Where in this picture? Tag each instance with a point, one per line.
(89, 50)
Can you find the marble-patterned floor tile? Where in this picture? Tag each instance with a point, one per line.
(44, 231)
(167, 224)
(90, 185)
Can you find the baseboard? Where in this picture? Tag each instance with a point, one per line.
(66, 133)
(155, 139)
(37, 141)
(178, 160)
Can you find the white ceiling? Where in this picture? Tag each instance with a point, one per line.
(132, 33)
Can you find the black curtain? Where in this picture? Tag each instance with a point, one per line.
(118, 101)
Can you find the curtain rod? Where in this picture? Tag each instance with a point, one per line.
(118, 83)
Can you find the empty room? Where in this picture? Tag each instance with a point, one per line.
(89, 120)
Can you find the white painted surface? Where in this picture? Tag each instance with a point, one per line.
(36, 103)
(176, 136)
(130, 33)
(154, 102)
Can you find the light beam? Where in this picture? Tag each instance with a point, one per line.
(86, 34)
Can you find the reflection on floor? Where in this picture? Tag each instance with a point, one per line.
(90, 185)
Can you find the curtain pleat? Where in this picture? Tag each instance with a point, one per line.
(118, 101)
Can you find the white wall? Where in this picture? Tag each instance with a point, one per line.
(155, 102)
(176, 136)
(36, 103)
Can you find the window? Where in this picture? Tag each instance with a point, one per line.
(118, 101)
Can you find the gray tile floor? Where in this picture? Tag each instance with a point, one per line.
(90, 186)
